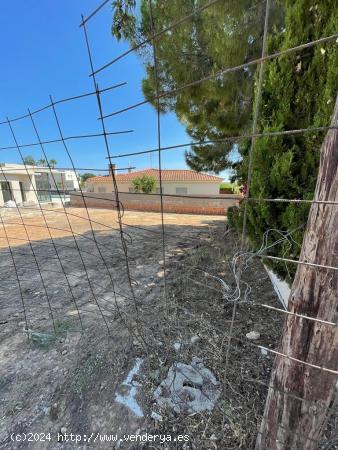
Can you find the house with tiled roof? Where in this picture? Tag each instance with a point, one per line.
(174, 181)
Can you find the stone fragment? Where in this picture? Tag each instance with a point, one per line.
(195, 339)
(253, 335)
(177, 346)
(154, 415)
(264, 352)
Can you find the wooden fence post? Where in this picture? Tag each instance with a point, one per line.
(288, 423)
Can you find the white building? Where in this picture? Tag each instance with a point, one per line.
(60, 179)
(181, 182)
(32, 184)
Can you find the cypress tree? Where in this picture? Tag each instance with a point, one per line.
(299, 92)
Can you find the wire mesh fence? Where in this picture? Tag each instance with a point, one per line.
(94, 264)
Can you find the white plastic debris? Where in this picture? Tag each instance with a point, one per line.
(128, 399)
(253, 335)
(10, 204)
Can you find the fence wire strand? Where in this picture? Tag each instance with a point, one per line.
(63, 100)
(224, 72)
(29, 240)
(254, 131)
(118, 208)
(159, 143)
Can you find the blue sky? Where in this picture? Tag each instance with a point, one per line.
(43, 53)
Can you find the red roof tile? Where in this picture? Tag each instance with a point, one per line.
(167, 175)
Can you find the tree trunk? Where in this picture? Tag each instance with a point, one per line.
(289, 423)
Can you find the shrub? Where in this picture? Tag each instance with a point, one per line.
(144, 183)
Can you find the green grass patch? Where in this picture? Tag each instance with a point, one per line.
(45, 340)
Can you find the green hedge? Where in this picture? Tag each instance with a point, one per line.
(299, 91)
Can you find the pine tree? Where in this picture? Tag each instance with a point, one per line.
(224, 35)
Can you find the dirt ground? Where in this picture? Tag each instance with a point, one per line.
(90, 317)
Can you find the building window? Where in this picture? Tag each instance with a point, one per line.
(43, 187)
(158, 190)
(181, 190)
(102, 189)
(7, 193)
(23, 191)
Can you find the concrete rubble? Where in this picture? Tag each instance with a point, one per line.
(188, 389)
